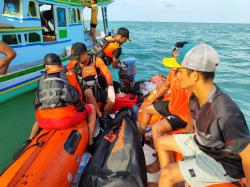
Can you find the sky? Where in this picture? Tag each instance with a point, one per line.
(212, 11)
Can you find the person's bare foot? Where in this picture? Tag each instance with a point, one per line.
(152, 184)
(154, 167)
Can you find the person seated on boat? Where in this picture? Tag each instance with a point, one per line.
(175, 110)
(58, 99)
(219, 149)
(93, 21)
(73, 64)
(9, 55)
(110, 49)
(46, 17)
(92, 67)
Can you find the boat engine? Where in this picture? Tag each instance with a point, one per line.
(127, 74)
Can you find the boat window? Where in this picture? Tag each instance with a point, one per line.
(25, 37)
(19, 38)
(34, 37)
(78, 15)
(10, 39)
(72, 16)
(61, 17)
(32, 9)
(48, 22)
(11, 8)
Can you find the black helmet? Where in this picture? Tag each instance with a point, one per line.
(78, 48)
(123, 32)
(52, 59)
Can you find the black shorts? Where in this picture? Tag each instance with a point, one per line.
(102, 81)
(175, 121)
(92, 25)
(102, 95)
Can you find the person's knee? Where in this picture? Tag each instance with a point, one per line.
(89, 94)
(110, 102)
(92, 108)
(156, 129)
(168, 175)
(147, 110)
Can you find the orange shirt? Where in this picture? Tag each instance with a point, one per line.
(179, 98)
(71, 64)
(99, 63)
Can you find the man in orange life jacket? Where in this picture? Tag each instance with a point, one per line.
(58, 99)
(88, 68)
(111, 49)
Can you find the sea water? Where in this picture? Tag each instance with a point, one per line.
(151, 42)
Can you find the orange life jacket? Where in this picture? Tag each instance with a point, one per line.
(110, 47)
(89, 75)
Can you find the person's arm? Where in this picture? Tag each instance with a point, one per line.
(9, 53)
(115, 60)
(104, 71)
(245, 157)
(236, 135)
(86, 4)
(34, 130)
(161, 91)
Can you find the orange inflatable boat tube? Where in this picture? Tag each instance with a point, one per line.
(50, 160)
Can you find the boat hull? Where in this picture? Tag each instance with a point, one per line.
(49, 160)
(21, 82)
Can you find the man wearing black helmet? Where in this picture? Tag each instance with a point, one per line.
(110, 48)
(58, 99)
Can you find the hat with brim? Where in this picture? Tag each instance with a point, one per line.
(197, 57)
(177, 62)
(171, 63)
(124, 32)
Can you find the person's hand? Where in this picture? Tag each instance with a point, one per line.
(188, 129)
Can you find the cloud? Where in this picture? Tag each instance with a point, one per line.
(168, 3)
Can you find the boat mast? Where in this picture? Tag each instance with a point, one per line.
(105, 20)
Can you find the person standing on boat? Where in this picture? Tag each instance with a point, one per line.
(9, 55)
(110, 49)
(175, 110)
(94, 20)
(58, 99)
(219, 150)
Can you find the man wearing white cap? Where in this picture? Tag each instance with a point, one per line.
(219, 150)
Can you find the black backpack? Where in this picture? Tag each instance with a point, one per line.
(119, 158)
